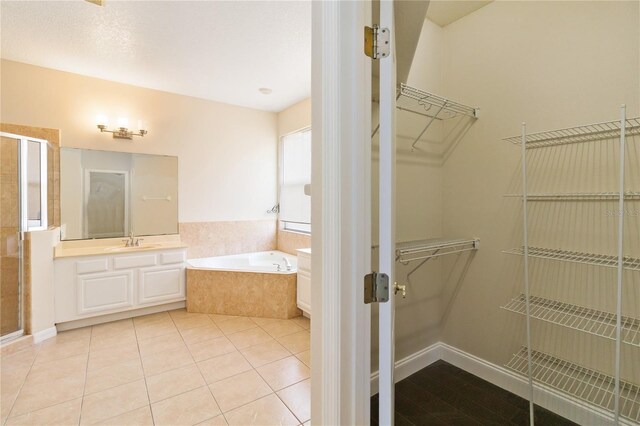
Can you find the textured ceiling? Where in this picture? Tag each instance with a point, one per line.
(218, 50)
(444, 12)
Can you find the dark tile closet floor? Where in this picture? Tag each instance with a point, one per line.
(442, 394)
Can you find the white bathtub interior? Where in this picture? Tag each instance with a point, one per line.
(265, 261)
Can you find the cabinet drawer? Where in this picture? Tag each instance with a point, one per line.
(162, 283)
(92, 266)
(174, 257)
(104, 292)
(128, 262)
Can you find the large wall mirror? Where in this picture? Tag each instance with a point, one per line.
(106, 194)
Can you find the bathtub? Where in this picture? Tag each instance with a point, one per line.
(269, 262)
(252, 284)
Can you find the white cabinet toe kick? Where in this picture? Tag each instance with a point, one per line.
(90, 286)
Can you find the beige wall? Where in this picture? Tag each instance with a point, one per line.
(227, 154)
(292, 119)
(553, 65)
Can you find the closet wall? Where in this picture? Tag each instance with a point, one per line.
(553, 65)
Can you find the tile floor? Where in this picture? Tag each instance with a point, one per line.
(169, 368)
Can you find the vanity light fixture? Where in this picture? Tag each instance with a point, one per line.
(122, 131)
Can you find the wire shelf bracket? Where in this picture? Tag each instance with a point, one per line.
(610, 261)
(587, 320)
(431, 106)
(571, 135)
(590, 386)
(428, 249)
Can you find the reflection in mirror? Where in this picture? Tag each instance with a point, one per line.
(106, 194)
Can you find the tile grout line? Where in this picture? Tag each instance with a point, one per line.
(22, 385)
(86, 373)
(144, 376)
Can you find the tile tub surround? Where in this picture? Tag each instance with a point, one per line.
(242, 293)
(166, 368)
(289, 242)
(208, 239)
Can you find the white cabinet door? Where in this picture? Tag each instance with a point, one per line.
(104, 291)
(304, 292)
(161, 283)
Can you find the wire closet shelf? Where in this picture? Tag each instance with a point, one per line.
(587, 133)
(607, 260)
(427, 249)
(579, 318)
(580, 382)
(580, 196)
(430, 106)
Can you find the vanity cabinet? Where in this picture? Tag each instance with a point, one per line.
(304, 281)
(87, 286)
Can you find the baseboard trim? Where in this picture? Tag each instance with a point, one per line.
(45, 334)
(99, 319)
(544, 396)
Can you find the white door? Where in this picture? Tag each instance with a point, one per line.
(387, 225)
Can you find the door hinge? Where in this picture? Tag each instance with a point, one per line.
(376, 288)
(377, 42)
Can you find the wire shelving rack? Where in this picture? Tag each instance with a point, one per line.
(587, 320)
(588, 133)
(580, 382)
(580, 196)
(607, 260)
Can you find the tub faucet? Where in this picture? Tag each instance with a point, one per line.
(286, 262)
(277, 265)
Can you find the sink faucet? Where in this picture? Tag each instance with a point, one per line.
(132, 241)
(286, 262)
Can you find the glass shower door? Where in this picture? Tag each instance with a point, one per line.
(10, 239)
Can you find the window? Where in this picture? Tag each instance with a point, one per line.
(295, 172)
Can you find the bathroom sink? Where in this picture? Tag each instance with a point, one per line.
(134, 248)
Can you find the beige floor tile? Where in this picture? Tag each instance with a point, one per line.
(305, 357)
(186, 409)
(211, 348)
(192, 321)
(165, 361)
(239, 390)
(216, 421)
(104, 357)
(167, 342)
(110, 340)
(62, 349)
(41, 393)
(7, 398)
(78, 333)
(296, 342)
(302, 321)
(236, 324)
(264, 321)
(198, 334)
(19, 360)
(179, 313)
(265, 411)
(308, 423)
(250, 337)
(111, 328)
(155, 329)
(265, 353)
(138, 417)
(282, 328)
(57, 369)
(115, 375)
(222, 318)
(174, 382)
(223, 366)
(151, 318)
(298, 399)
(283, 373)
(113, 402)
(66, 413)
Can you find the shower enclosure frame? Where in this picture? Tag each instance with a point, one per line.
(24, 224)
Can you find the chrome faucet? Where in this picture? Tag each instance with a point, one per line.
(277, 265)
(286, 262)
(132, 241)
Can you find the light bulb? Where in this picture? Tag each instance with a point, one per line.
(123, 122)
(102, 120)
(142, 125)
